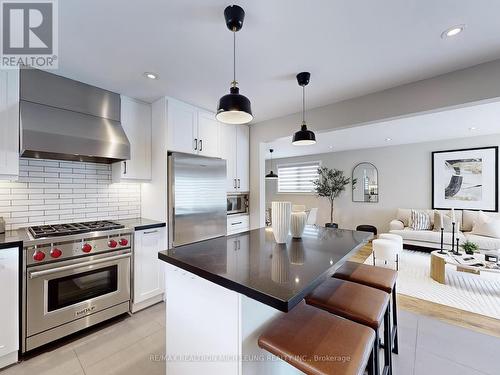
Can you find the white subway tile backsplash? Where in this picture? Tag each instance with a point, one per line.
(43, 162)
(51, 191)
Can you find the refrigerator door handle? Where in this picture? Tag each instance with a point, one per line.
(196, 144)
(238, 183)
(234, 183)
(201, 144)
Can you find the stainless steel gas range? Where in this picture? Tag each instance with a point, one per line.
(74, 276)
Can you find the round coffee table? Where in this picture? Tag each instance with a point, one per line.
(439, 262)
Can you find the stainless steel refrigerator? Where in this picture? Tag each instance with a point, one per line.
(197, 200)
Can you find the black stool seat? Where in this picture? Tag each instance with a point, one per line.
(367, 228)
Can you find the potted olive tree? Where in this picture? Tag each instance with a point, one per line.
(330, 184)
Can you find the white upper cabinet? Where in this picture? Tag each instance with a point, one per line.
(234, 145)
(208, 134)
(136, 121)
(243, 157)
(191, 129)
(182, 126)
(9, 124)
(227, 141)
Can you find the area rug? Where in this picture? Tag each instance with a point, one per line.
(475, 293)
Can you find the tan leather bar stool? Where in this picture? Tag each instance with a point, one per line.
(361, 304)
(376, 277)
(319, 343)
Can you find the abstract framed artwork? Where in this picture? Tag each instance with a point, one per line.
(465, 179)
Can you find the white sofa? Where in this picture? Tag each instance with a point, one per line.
(431, 239)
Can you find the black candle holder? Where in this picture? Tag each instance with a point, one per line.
(453, 237)
(457, 252)
(442, 243)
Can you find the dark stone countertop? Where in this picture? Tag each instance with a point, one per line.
(251, 263)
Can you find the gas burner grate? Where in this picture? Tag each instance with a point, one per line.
(55, 230)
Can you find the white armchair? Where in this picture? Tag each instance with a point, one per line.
(385, 250)
(398, 240)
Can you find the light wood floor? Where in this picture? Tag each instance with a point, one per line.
(466, 319)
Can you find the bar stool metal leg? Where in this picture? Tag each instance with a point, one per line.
(371, 363)
(376, 353)
(395, 345)
(387, 339)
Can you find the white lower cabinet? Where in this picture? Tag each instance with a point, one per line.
(148, 271)
(9, 313)
(238, 224)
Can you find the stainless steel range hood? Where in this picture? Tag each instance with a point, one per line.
(69, 120)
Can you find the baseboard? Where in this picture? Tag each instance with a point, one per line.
(149, 302)
(8, 359)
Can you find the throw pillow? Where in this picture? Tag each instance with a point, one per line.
(447, 220)
(420, 220)
(486, 226)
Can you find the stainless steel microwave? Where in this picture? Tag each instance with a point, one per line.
(237, 203)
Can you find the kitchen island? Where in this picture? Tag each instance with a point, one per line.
(220, 294)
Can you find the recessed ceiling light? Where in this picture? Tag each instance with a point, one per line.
(472, 128)
(388, 139)
(330, 147)
(452, 31)
(150, 75)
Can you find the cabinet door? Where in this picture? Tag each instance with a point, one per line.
(208, 134)
(9, 293)
(136, 121)
(148, 272)
(182, 127)
(243, 157)
(227, 142)
(9, 124)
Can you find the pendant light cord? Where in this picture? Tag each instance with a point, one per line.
(303, 105)
(234, 59)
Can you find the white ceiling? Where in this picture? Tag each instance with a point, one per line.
(456, 123)
(350, 47)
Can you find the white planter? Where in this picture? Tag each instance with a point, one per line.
(280, 218)
(297, 224)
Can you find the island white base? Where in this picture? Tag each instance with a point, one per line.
(213, 330)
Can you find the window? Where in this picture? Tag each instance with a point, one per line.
(298, 177)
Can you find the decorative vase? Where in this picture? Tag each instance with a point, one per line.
(298, 224)
(280, 219)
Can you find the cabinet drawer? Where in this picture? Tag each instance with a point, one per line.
(238, 224)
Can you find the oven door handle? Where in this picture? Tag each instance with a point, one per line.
(35, 274)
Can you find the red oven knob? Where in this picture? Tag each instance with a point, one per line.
(55, 253)
(38, 256)
(112, 243)
(123, 242)
(86, 248)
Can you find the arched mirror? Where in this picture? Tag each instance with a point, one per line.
(366, 187)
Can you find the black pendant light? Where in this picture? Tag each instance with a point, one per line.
(271, 175)
(234, 108)
(303, 137)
